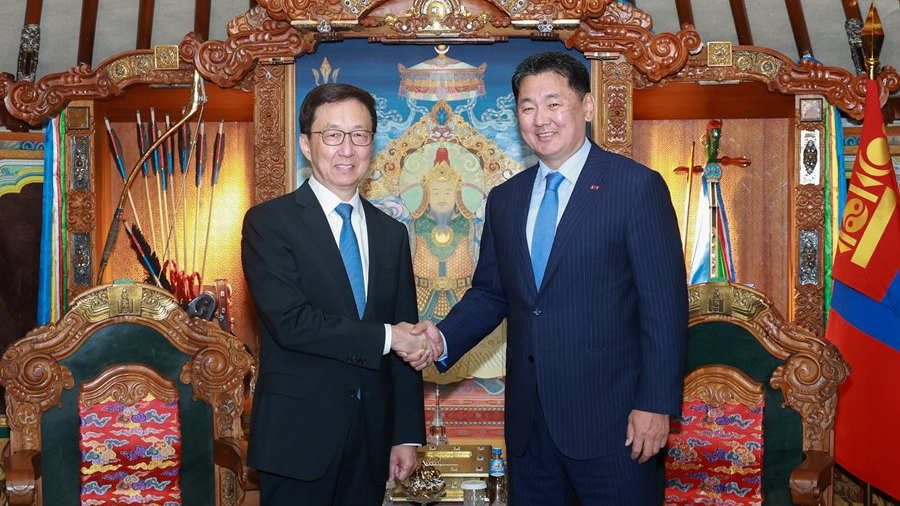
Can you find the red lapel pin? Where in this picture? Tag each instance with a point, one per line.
(595, 187)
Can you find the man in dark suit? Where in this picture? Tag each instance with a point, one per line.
(581, 253)
(335, 413)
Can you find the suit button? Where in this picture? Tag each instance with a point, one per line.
(531, 358)
(536, 312)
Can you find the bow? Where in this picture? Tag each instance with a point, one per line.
(198, 97)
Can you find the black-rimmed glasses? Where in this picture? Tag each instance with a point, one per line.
(332, 137)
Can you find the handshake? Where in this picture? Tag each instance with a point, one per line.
(419, 344)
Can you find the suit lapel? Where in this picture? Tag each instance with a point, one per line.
(579, 205)
(521, 201)
(377, 254)
(312, 216)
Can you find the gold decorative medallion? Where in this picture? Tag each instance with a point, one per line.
(165, 57)
(718, 54)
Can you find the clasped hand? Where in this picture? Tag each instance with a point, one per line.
(418, 344)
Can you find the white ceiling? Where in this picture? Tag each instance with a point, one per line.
(117, 22)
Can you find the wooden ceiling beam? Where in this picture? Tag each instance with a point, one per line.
(851, 9)
(741, 22)
(87, 32)
(145, 24)
(798, 26)
(33, 12)
(685, 12)
(30, 42)
(202, 14)
(853, 25)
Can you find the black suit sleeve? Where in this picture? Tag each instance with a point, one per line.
(409, 413)
(274, 278)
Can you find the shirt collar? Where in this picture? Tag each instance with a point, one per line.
(329, 201)
(571, 168)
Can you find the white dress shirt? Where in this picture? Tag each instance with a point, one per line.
(329, 202)
(570, 170)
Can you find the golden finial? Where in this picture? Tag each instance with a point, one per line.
(872, 39)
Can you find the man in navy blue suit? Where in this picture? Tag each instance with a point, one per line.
(582, 255)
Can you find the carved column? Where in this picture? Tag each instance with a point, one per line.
(809, 207)
(611, 84)
(80, 197)
(273, 93)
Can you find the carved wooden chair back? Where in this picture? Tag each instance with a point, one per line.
(125, 395)
(798, 373)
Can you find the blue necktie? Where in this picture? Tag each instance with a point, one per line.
(352, 261)
(545, 227)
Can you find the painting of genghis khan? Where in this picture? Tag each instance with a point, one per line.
(435, 179)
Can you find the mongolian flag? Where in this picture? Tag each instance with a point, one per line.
(864, 321)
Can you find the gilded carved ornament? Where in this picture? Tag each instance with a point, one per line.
(813, 368)
(781, 75)
(356, 10)
(34, 378)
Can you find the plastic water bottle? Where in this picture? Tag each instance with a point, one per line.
(497, 479)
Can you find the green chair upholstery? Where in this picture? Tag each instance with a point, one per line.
(736, 326)
(75, 390)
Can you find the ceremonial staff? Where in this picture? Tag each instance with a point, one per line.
(198, 97)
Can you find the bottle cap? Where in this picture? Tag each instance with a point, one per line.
(496, 451)
(473, 485)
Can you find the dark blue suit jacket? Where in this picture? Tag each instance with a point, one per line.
(606, 332)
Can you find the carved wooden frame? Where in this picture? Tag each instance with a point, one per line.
(720, 384)
(809, 378)
(618, 36)
(128, 384)
(34, 378)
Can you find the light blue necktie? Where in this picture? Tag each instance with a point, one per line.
(545, 227)
(352, 261)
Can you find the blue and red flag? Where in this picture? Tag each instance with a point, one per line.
(864, 321)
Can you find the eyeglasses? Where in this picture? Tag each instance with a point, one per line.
(336, 137)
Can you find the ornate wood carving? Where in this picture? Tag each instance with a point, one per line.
(80, 209)
(782, 75)
(813, 368)
(270, 164)
(34, 378)
(809, 219)
(292, 10)
(248, 21)
(612, 119)
(34, 102)
(80, 197)
(656, 56)
(719, 384)
(127, 384)
(226, 63)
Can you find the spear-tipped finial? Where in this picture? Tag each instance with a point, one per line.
(872, 39)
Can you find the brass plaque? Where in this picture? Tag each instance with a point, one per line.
(718, 54)
(165, 57)
(457, 463)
